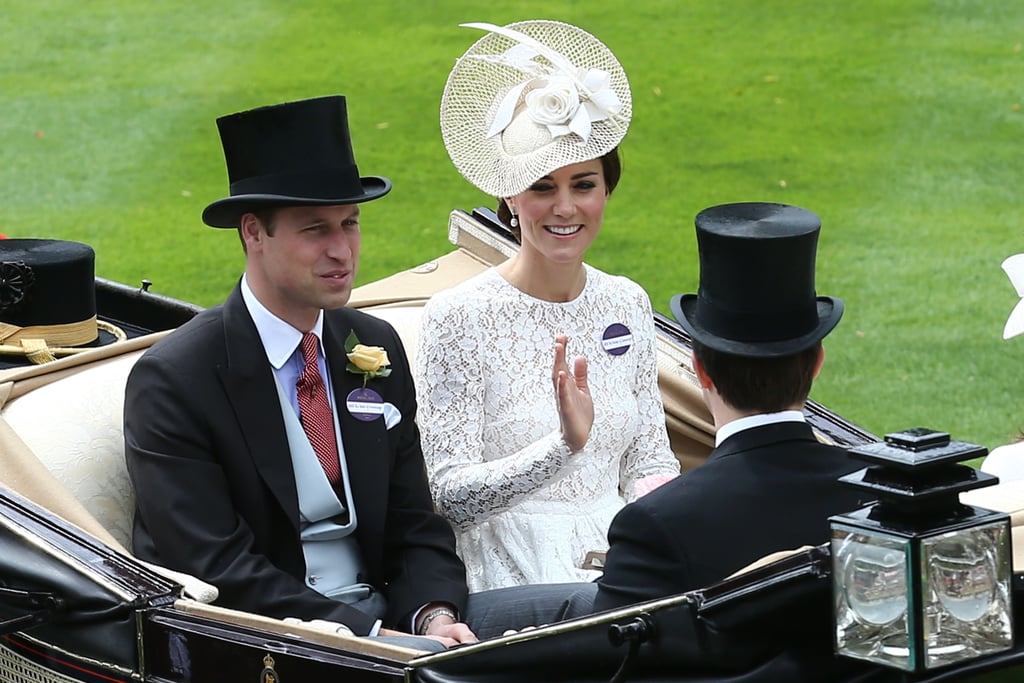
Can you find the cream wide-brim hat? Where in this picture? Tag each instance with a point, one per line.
(530, 98)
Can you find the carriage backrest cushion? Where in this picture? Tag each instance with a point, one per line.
(405, 318)
(74, 427)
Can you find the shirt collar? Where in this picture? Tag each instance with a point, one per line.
(751, 421)
(279, 338)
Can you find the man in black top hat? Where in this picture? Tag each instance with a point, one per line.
(769, 484)
(272, 440)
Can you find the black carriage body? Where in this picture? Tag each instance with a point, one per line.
(181, 648)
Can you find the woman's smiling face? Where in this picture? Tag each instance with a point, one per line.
(561, 213)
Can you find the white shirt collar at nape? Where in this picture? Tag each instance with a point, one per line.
(751, 421)
(278, 337)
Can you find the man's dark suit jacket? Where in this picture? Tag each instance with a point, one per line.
(208, 456)
(762, 490)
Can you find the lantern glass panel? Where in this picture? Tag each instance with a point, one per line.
(966, 594)
(871, 596)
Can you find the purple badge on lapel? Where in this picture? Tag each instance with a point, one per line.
(617, 339)
(365, 404)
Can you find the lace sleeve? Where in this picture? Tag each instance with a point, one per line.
(649, 454)
(470, 480)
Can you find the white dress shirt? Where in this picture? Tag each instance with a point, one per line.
(751, 421)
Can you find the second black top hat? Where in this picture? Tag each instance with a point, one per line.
(756, 295)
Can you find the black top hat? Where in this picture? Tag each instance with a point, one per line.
(291, 154)
(48, 294)
(756, 296)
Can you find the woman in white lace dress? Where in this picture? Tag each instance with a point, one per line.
(530, 456)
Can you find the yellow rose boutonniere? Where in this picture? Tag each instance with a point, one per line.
(368, 361)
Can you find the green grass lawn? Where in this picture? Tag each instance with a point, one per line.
(898, 121)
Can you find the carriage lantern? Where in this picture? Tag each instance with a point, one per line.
(920, 580)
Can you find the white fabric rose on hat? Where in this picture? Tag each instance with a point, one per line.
(554, 104)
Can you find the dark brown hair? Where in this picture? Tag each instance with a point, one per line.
(611, 166)
(764, 385)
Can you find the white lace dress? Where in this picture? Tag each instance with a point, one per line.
(524, 510)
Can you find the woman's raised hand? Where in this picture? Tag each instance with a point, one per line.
(575, 406)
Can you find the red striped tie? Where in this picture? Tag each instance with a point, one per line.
(315, 410)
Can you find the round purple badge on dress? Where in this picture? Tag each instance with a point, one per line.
(365, 404)
(617, 339)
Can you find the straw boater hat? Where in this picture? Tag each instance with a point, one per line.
(529, 98)
(48, 301)
(291, 154)
(756, 296)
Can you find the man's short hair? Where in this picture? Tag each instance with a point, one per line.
(764, 385)
(266, 218)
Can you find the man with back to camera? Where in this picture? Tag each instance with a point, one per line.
(266, 460)
(769, 484)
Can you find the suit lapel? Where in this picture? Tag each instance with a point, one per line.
(249, 383)
(365, 443)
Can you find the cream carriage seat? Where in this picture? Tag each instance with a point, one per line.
(62, 444)
(67, 416)
(74, 427)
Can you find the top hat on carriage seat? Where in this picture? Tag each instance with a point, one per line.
(291, 154)
(756, 296)
(48, 300)
(529, 98)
